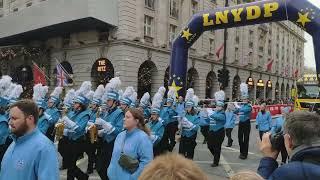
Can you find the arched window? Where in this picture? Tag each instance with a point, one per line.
(146, 75)
(101, 72)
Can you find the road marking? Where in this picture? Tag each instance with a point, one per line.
(226, 166)
(236, 150)
(210, 162)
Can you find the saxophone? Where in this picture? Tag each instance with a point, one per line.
(93, 132)
(59, 127)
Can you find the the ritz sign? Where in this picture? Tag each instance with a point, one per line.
(102, 66)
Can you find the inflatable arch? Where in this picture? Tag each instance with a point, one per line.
(300, 12)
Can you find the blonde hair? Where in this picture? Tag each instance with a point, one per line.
(172, 167)
(246, 175)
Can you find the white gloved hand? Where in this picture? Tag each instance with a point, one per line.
(101, 133)
(89, 124)
(67, 131)
(153, 138)
(237, 105)
(68, 123)
(47, 116)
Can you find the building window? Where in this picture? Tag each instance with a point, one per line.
(194, 7)
(174, 10)
(148, 23)
(211, 43)
(149, 3)
(1, 3)
(237, 53)
(172, 33)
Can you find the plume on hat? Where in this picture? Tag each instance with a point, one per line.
(39, 92)
(172, 93)
(145, 99)
(99, 92)
(157, 100)
(128, 93)
(196, 100)
(17, 91)
(189, 95)
(162, 90)
(244, 88)
(219, 96)
(71, 94)
(134, 97)
(5, 82)
(84, 89)
(56, 92)
(113, 85)
(9, 89)
(90, 95)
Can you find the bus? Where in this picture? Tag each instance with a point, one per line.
(306, 93)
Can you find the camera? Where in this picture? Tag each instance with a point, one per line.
(277, 141)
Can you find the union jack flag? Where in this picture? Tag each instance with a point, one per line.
(61, 76)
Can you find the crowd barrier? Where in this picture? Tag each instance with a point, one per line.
(274, 109)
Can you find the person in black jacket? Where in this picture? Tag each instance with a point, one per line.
(302, 141)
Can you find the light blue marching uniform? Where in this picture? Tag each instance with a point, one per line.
(4, 128)
(81, 119)
(93, 116)
(43, 124)
(244, 112)
(230, 119)
(115, 118)
(157, 131)
(137, 145)
(146, 113)
(264, 121)
(32, 156)
(180, 109)
(167, 115)
(204, 119)
(217, 121)
(277, 125)
(194, 119)
(53, 115)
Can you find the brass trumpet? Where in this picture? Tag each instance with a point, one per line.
(93, 132)
(59, 127)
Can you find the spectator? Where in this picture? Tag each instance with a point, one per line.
(31, 155)
(246, 175)
(302, 141)
(179, 168)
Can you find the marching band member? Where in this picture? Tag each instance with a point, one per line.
(133, 143)
(170, 123)
(5, 140)
(190, 126)
(244, 112)
(112, 125)
(263, 120)
(204, 123)
(52, 112)
(180, 107)
(91, 146)
(39, 93)
(134, 100)
(230, 122)
(156, 126)
(144, 105)
(216, 130)
(75, 124)
(67, 111)
(127, 98)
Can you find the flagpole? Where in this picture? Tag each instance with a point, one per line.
(65, 71)
(40, 70)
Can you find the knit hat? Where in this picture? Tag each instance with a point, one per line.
(39, 94)
(128, 96)
(112, 90)
(55, 95)
(171, 95)
(189, 98)
(98, 95)
(145, 100)
(68, 100)
(84, 94)
(156, 103)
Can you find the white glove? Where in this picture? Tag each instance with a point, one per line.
(67, 131)
(186, 124)
(236, 105)
(68, 123)
(105, 125)
(90, 124)
(100, 133)
(60, 120)
(47, 116)
(153, 138)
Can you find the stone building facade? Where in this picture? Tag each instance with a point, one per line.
(134, 43)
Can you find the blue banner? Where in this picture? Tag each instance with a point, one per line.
(300, 12)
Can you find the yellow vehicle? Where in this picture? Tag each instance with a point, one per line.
(307, 93)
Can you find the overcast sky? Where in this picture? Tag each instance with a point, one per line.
(308, 48)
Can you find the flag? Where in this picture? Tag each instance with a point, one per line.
(61, 76)
(269, 65)
(39, 76)
(296, 73)
(218, 52)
